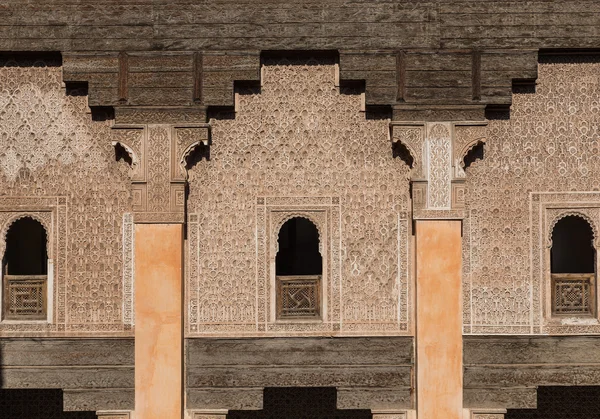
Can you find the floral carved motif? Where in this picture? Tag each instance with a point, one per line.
(297, 144)
(540, 164)
(56, 160)
(439, 174)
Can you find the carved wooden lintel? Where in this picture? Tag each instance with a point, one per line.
(432, 85)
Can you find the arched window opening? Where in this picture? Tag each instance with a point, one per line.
(25, 271)
(298, 269)
(299, 248)
(573, 267)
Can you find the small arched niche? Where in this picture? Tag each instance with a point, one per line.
(25, 271)
(298, 270)
(573, 267)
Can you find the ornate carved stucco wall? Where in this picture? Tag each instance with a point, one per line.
(55, 162)
(541, 163)
(298, 146)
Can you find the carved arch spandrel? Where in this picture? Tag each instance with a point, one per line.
(466, 138)
(134, 158)
(412, 137)
(187, 139)
(132, 139)
(187, 152)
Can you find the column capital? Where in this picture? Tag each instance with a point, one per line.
(436, 154)
(159, 155)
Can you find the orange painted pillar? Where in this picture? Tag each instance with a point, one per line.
(158, 316)
(439, 320)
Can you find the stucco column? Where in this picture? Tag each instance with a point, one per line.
(439, 319)
(158, 317)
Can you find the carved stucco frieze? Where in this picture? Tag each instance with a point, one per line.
(59, 164)
(539, 165)
(298, 146)
(438, 150)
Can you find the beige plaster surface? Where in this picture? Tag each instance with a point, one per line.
(439, 320)
(158, 316)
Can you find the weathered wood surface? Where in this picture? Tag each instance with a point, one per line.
(99, 399)
(436, 39)
(501, 398)
(504, 371)
(367, 371)
(110, 25)
(94, 373)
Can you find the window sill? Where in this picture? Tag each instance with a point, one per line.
(297, 321)
(574, 321)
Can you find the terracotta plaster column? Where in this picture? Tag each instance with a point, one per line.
(439, 319)
(158, 327)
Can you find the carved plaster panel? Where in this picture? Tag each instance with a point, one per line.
(158, 153)
(55, 160)
(297, 144)
(547, 210)
(128, 271)
(326, 219)
(438, 150)
(542, 161)
(439, 166)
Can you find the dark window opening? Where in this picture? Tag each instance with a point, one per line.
(300, 402)
(562, 402)
(572, 246)
(298, 267)
(573, 267)
(37, 403)
(25, 269)
(298, 249)
(26, 252)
